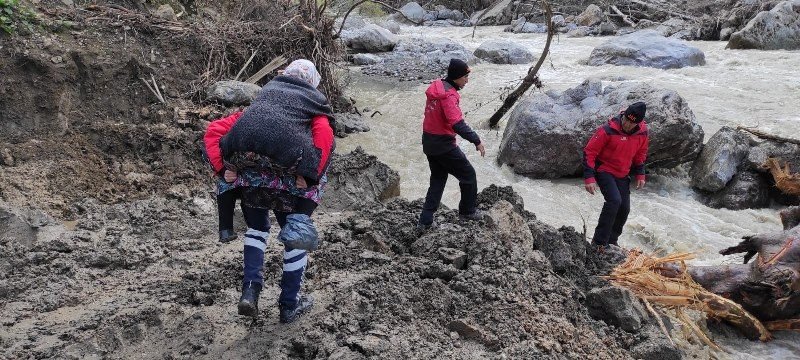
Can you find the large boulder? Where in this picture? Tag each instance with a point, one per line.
(593, 15)
(784, 152)
(504, 52)
(719, 159)
(747, 190)
(778, 28)
(546, 133)
(349, 124)
(232, 93)
(413, 12)
(647, 48)
(370, 38)
(358, 180)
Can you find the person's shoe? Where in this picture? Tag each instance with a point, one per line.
(425, 227)
(248, 303)
(289, 315)
(475, 216)
(227, 235)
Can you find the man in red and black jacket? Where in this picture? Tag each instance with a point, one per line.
(443, 120)
(616, 151)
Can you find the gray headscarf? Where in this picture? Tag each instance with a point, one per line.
(303, 70)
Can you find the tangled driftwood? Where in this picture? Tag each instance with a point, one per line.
(785, 181)
(756, 297)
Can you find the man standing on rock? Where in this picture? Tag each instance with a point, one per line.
(615, 151)
(443, 120)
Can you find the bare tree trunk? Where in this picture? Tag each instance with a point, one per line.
(533, 73)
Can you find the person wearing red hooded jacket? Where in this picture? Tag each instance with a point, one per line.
(443, 121)
(616, 151)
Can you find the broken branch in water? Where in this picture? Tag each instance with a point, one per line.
(785, 181)
(624, 17)
(533, 73)
(767, 136)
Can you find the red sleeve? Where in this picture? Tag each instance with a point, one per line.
(641, 156)
(216, 130)
(322, 134)
(590, 152)
(451, 110)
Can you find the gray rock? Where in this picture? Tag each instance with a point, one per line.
(656, 348)
(719, 159)
(580, 32)
(521, 25)
(647, 48)
(420, 59)
(413, 12)
(504, 52)
(452, 256)
(6, 158)
(725, 34)
(784, 152)
(232, 93)
(593, 15)
(366, 59)
(371, 38)
(443, 13)
(671, 26)
(353, 22)
(497, 15)
(778, 28)
(746, 190)
(558, 21)
(166, 12)
(616, 306)
(348, 175)
(608, 28)
(390, 25)
(546, 133)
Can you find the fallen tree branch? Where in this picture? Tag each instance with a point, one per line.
(625, 18)
(274, 64)
(533, 73)
(658, 8)
(785, 181)
(767, 136)
(154, 89)
(245, 65)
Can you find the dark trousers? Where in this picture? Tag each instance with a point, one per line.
(617, 193)
(226, 204)
(255, 242)
(455, 163)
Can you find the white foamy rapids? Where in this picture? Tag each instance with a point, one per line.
(735, 87)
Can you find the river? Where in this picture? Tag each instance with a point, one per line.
(735, 87)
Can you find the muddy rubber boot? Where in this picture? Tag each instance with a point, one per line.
(227, 235)
(248, 303)
(304, 304)
(477, 215)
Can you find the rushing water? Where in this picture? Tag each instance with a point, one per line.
(735, 87)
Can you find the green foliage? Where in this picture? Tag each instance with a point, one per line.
(14, 15)
(371, 9)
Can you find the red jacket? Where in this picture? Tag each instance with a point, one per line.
(321, 133)
(614, 151)
(443, 120)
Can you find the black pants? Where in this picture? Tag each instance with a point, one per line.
(455, 163)
(617, 193)
(226, 205)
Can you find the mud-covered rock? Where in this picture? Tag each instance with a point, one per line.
(546, 133)
(349, 124)
(371, 38)
(358, 180)
(720, 159)
(647, 48)
(366, 59)
(232, 93)
(616, 306)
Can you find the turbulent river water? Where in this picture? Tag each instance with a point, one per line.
(735, 87)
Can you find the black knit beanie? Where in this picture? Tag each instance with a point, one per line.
(457, 69)
(636, 109)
